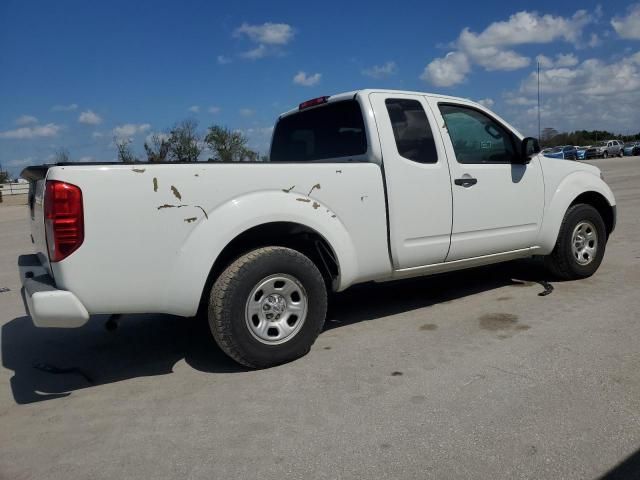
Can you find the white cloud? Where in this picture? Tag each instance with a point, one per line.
(517, 99)
(86, 158)
(580, 97)
(269, 37)
(194, 108)
(48, 130)
(267, 33)
(629, 25)
(255, 53)
(246, 112)
(89, 118)
(222, 60)
(65, 108)
(97, 135)
(130, 129)
(561, 60)
(486, 102)
(492, 48)
(450, 70)
(213, 109)
(381, 71)
(301, 78)
(26, 120)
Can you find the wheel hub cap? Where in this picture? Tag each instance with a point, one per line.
(584, 242)
(276, 309)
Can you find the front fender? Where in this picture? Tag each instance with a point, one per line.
(560, 198)
(198, 253)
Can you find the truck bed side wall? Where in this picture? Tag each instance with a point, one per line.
(152, 232)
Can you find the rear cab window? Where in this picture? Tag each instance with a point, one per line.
(334, 132)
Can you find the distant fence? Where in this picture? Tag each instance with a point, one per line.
(18, 188)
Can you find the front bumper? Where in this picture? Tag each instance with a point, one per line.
(46, 304)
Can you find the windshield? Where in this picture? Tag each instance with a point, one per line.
(601, 144)
(331, 132)
(555, 150)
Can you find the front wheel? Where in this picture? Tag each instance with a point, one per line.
(268, 307)
(605, 155)
(580, 246)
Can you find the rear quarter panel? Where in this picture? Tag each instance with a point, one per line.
(153, 232)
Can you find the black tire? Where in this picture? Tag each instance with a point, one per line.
(605, 154)
(230, 294)
(561, 262)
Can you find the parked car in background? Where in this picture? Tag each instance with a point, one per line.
(586, 153)
(567, 152)
(631, 148)
(610, 148)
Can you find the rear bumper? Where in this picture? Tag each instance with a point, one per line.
(47, 305)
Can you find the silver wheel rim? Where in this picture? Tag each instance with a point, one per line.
(584, 242)
(276, 309)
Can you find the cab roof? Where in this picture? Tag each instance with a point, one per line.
(366, 91)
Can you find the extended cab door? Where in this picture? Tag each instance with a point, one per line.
(497, 203)
(417, 179)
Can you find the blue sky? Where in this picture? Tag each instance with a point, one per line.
(75, 74)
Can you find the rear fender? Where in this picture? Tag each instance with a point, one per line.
(206, 241)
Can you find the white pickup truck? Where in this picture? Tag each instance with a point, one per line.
(372, 185)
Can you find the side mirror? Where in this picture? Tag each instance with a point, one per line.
(528, 148)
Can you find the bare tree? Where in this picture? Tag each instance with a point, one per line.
(61, 155)
(184, 142)
(125, 154)
(157, 148)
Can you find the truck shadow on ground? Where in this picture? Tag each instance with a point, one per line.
(52, 363)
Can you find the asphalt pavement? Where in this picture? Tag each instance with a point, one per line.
(466, 375)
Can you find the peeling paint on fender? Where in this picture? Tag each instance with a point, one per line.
(176, 193)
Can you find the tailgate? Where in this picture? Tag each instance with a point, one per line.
(37, 179)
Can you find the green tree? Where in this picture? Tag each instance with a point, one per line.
(184, 142)
(228, 145)
(4, 177)
(125, 154)
(157, 148)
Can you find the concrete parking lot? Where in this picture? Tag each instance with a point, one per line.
(468, 375)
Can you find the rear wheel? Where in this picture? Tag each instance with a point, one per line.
(268, 307)
(581, 244)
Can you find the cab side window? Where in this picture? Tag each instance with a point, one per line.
(476, 137)
(411, 130)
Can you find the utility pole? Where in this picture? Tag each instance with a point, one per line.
(538, 100)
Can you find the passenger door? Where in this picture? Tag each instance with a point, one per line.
(417, 180)
(497, 203)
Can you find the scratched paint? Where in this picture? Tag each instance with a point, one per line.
(176, 193)
(138, 170)
(316, 186)
(190, 219)
(155, 184)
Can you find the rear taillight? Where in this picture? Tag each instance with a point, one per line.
(63, 219)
